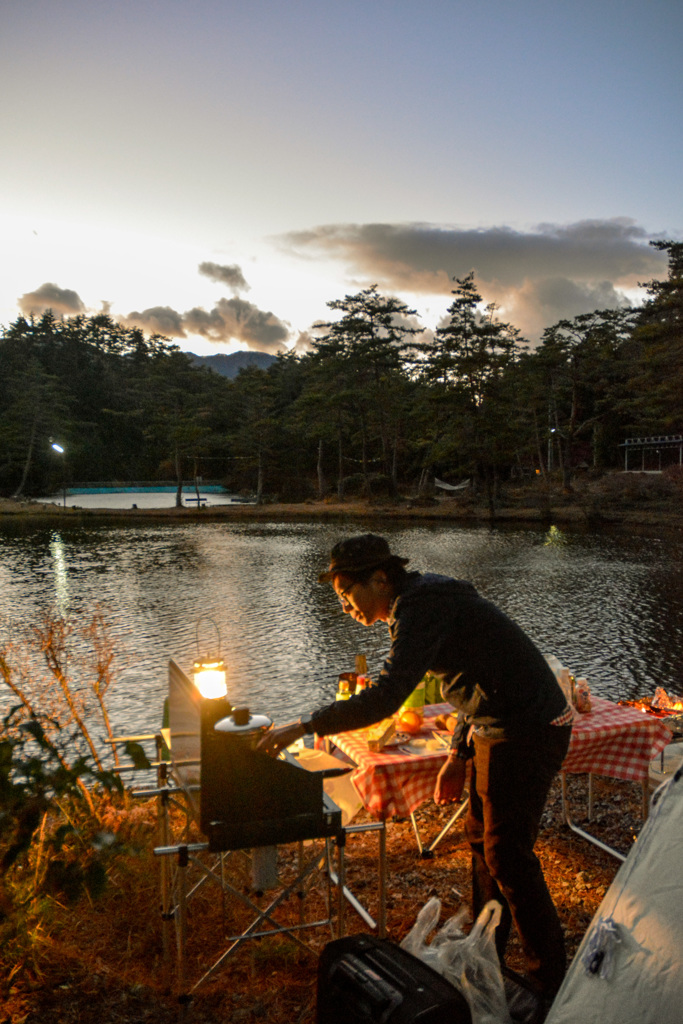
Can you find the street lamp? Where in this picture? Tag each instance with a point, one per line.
(551, 441)
(60, 451)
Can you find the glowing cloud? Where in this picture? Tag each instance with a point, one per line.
(238, 320)
(157, 320)
(536, 277)
(230, 320)
(51, 296)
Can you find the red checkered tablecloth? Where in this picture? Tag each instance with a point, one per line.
(616, 741)
(392, 783)
(610, 740)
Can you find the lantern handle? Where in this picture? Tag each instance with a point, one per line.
(207, 618)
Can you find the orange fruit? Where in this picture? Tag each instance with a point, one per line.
(410, 721)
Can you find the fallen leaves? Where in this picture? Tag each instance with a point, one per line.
(109, 969)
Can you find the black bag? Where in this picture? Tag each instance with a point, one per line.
(366, 980)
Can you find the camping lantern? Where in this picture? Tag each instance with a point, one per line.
(209, 678)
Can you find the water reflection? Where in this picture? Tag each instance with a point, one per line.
(61, 579)
(609, 606)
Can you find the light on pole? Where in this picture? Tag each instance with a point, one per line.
(551, 441)
(60, 451)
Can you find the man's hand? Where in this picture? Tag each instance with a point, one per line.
(276, 740)
(450, 781)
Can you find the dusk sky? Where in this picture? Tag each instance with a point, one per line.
(218, 171)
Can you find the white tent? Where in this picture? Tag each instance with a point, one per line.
(628, 967)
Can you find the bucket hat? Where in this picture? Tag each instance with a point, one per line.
(356, 554)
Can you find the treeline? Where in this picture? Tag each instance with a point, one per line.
(377, 406)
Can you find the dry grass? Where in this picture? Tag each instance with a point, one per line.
(101, 962)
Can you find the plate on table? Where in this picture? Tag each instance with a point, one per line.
(398, 739)
(424, 744)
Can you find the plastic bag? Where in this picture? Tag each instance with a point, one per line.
(415, 941)
(469, 962)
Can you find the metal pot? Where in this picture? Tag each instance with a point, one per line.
(245, 728)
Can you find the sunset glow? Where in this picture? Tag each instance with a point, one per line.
(310, 151)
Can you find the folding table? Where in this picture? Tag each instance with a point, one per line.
(616, 741)
(393, 782)
(611, 740)
(311, 821)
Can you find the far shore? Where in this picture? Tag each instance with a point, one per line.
(563, 512)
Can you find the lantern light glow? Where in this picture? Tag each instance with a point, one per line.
(209, 678)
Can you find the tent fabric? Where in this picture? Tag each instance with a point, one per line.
(637, 932)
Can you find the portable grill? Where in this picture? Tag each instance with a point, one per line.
(245, 800)
(250, 799)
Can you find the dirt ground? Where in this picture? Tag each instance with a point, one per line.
(102, 962)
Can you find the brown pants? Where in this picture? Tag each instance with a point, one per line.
(508, 790)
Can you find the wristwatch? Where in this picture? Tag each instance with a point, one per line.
(306, 723)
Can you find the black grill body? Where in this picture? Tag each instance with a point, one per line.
(251, 799)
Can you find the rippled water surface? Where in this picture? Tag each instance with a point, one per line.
(609, 606)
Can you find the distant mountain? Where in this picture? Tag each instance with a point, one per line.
(230, 365)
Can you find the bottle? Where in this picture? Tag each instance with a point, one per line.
(343, 689)
(415, 701)
(432, 689)
(583, 696)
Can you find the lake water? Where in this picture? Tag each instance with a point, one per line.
(610, 606)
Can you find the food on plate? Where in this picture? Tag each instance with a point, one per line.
(446, 722)
(380, 734)
(410, 721)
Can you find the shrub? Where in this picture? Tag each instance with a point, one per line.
(53, 777)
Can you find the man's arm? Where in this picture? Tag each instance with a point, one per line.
(450, 781)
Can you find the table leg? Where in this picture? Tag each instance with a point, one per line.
(418, 838)
(581, 832)
(341, 872)
(382, 917)
(427, 852)
(343, 890)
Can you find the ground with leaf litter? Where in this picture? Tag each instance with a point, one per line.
(101, 961)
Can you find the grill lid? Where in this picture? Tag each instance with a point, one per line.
(243, 723)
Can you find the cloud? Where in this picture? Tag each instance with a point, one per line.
(231, 275)
(158, 320)
(540, 275)
(238, 320)
(230, 320)
(540, 303)
(302, 343)
(51, 296)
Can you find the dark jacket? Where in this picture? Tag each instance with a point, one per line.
(490, 670)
